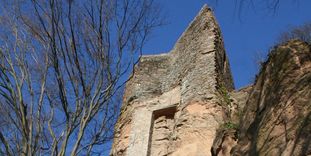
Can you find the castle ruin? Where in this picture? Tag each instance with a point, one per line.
(172, 103)
(183, 103)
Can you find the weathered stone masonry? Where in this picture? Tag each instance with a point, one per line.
(173, 104)
(183, 104)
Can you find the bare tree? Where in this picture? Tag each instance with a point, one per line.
(259, 5)
(62, 65)
(302, 32)
(270, 4)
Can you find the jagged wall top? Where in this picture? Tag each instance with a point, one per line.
(197, 63)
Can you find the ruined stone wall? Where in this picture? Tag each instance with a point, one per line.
(148, 77)
(188, 79)
(144, 84)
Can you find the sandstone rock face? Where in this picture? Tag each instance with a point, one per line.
(227, 134)
(277, 118)
(172, 105)
(162, 131)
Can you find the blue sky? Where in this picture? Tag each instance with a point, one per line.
(246, 36)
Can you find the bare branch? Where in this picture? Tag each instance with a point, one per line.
(62, 65)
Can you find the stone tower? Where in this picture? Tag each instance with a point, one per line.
(174, 102)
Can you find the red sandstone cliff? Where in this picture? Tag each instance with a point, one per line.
(276, 119)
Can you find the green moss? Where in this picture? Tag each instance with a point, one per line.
(225, 95)
(230, 125)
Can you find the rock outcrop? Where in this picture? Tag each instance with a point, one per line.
(276, 119)
(277, 116)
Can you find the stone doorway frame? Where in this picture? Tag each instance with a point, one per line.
(141, 130)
